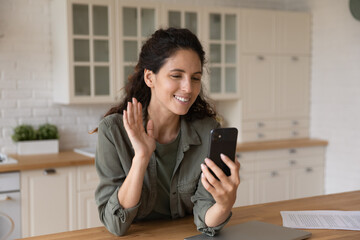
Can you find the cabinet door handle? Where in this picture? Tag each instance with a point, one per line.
(309, 169)
(274, 173)
(295, 133)
(261, 124)
(238, 155)
(49, 171)
(295, 123)
(292, 162)
(261, 135)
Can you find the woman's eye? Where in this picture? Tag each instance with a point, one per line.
(175, 76)
(196, 78)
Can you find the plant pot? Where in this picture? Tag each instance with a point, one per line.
(38, 147)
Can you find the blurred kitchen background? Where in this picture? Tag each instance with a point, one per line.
(27, 86)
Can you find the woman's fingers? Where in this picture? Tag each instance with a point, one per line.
(233, 166)
(208, 175)
(218, 171)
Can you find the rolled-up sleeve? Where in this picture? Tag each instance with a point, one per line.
(111, 174)
(202, 202)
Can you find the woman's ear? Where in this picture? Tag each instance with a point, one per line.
(149, 77)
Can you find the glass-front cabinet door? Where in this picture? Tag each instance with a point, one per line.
(182, 17)
(136, 22)
(91, 44)
(222, 49)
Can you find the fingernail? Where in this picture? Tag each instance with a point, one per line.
(207, 160)
(202, 175)
(203, 166)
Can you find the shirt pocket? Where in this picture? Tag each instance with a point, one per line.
(186, 191)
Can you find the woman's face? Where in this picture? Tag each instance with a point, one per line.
(177, 84)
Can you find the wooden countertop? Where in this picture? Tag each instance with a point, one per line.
(70, 158)
(269, 212)
(272, 145)
(39, 161)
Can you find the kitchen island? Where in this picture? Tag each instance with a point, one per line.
(269, 212)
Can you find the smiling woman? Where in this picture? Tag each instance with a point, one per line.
(153, 143)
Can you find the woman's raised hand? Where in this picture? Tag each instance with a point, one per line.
(142, 141)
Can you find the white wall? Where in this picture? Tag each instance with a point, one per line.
(26, 82)
(335, 91)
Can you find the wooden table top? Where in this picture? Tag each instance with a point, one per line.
(39, 161)
(269, 212)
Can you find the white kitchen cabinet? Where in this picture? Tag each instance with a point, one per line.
(293, 85)
(293, 33)
(259, 87)
(88, 180)
(136, 21)
(221, 37)
(58, 199)
(275, 94)
(275, 32)
(280, 174)
(48, 201)
(83, 51)
(258, 31)
(180, 16)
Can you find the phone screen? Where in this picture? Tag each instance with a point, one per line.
(222, 140)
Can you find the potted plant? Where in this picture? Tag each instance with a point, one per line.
(41, 141)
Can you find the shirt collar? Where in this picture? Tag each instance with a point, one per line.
(189, 134)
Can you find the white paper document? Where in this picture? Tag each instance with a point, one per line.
(346, 220)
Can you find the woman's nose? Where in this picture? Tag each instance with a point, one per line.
(186, 85)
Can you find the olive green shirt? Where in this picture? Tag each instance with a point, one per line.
(165, 163)
(113, 160)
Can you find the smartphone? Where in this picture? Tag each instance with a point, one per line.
(222, 140)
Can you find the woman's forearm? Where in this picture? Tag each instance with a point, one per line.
(130, 191)
(216, 215)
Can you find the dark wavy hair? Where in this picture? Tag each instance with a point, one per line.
(154, 53)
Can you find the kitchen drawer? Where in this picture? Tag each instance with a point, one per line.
(256, 136)
(87, 178)
(293, 123)
(306, 161)
(305, 151)
(259, 125)
(293, 133)
(271, 164)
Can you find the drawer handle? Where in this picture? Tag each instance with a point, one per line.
(309, 169)
(260, 57)
(261, 124)
(238, 155)
(292, 162)
(49, 171)
(295, 133)
(295, 122)
(292, 151)
(261, 135)
(294, 58)
(4, 198)
(274, 173)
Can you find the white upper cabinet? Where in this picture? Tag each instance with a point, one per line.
(275, 32)
(258, 31)
(83, 51)
(221, 38)
(135, 23)
(294, 31)
(182, 17)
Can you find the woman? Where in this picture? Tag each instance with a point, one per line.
(151, 148)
